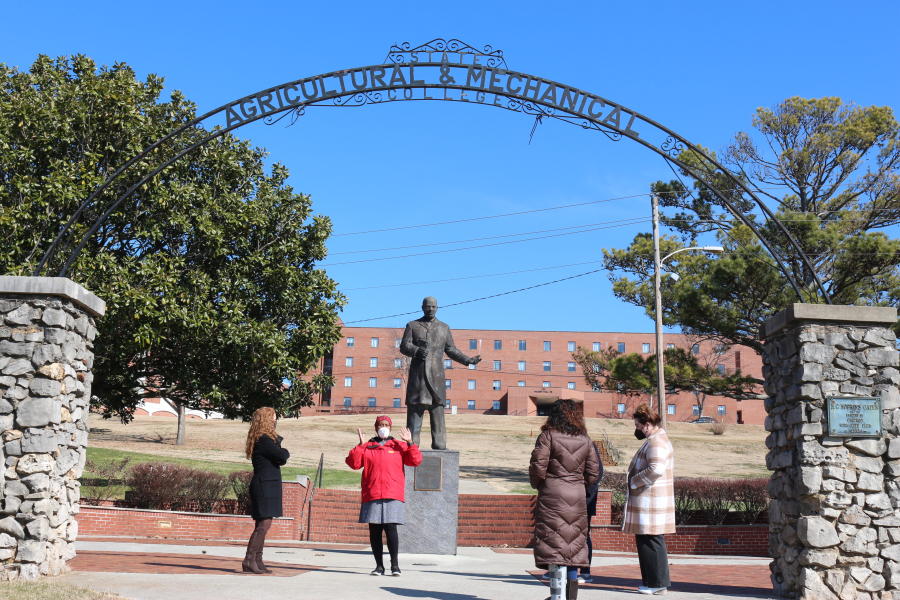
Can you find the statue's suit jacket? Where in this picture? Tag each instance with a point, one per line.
(426, 376)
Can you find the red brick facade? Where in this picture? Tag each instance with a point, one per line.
(484, 520)
(519, 371)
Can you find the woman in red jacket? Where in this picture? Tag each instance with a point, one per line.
(383, 483)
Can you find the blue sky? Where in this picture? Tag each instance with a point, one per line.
(700, 68)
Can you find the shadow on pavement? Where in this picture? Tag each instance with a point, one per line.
(407, 593)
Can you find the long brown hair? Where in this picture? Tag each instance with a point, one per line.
(565, 418)
(644, 414)
(262, 423)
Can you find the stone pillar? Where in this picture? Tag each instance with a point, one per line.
(834, 518)
(46, 354)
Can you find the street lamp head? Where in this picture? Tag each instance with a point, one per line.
(716, 249)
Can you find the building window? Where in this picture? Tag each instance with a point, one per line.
(498, 366)
(720, 369)
(720, 410)
(470, 404)
(348, 362)
(447, 403)
(621, 347)
(522, 345)
(671, 409)
(374, 342)
(570, 385)
(595, 387)
(447, 384)
(351, 341)
(595, 346)
(695, 349)
(520, 365)
(498, 344)
(373, 362)
(495, 405)
(347, 402)
(348, 382)
(473, 344)
(719, 349)
(448, 364)
(397, 382)
(395, 402)
(570, 346)
(373, 382)
(471, 366)
(495, 385)
(547, 346)
(645, 348)
(670, 346)
(570, 367)
(371, 401)
(620, 408)
(545, 384)
(695, 410)
(470, 385)
(397, 342)
(546, 365)
(398, 363)
(520, 383)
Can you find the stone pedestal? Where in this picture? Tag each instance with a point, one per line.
(834, 518)
(432, 504)
(46, 354)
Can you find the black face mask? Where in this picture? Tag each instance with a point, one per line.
(639, 434)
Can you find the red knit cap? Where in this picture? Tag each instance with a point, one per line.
(383, 418)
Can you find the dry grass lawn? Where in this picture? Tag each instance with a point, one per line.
(494, 450)
(51, 590)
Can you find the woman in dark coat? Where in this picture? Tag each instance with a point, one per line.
(562, 464)
(264, 449)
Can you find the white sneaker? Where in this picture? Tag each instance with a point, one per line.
(660, 591)
(585, 579)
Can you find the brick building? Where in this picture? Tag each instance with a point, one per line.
(520, 373)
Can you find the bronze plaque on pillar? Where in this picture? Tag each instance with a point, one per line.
(429, 474)
(854, 417)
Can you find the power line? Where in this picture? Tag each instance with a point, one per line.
(491, 237)
(470, 219)
(387, 285)
(530, 287)
(634, 221)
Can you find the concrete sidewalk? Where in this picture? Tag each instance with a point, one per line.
(183, 571)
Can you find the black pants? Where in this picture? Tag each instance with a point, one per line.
(590, 544)
(654, 560)
(393, 540)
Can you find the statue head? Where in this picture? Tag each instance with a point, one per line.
(429, 307)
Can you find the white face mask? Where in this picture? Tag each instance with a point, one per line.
(384, 432)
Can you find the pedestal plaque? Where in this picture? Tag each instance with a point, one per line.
(432, 504)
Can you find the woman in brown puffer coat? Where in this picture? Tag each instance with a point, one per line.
(562, 463)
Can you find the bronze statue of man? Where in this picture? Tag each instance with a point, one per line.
(426, 340)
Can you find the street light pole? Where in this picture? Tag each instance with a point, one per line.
(657, 298)
(657, 285)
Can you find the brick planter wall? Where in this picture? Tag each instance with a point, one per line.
(111, 521)
(484, 520)
(734, 540)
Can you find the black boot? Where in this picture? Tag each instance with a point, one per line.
(572, 589)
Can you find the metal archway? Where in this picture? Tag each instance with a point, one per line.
(447, 70)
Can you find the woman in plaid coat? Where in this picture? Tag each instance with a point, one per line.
(650, 506)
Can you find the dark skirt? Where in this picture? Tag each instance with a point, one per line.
(265, 498)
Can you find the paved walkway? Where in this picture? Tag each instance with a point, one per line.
(142, 569)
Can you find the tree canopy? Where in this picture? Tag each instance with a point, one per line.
(635, 374)
(829, 171)
(213, 297)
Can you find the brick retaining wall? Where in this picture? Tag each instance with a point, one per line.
(484, 520)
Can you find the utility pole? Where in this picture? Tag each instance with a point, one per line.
(657, 276)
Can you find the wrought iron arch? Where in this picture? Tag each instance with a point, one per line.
(445, 70)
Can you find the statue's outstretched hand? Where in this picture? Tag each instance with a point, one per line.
(475, 359)
(405, 435)
(360, 433)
